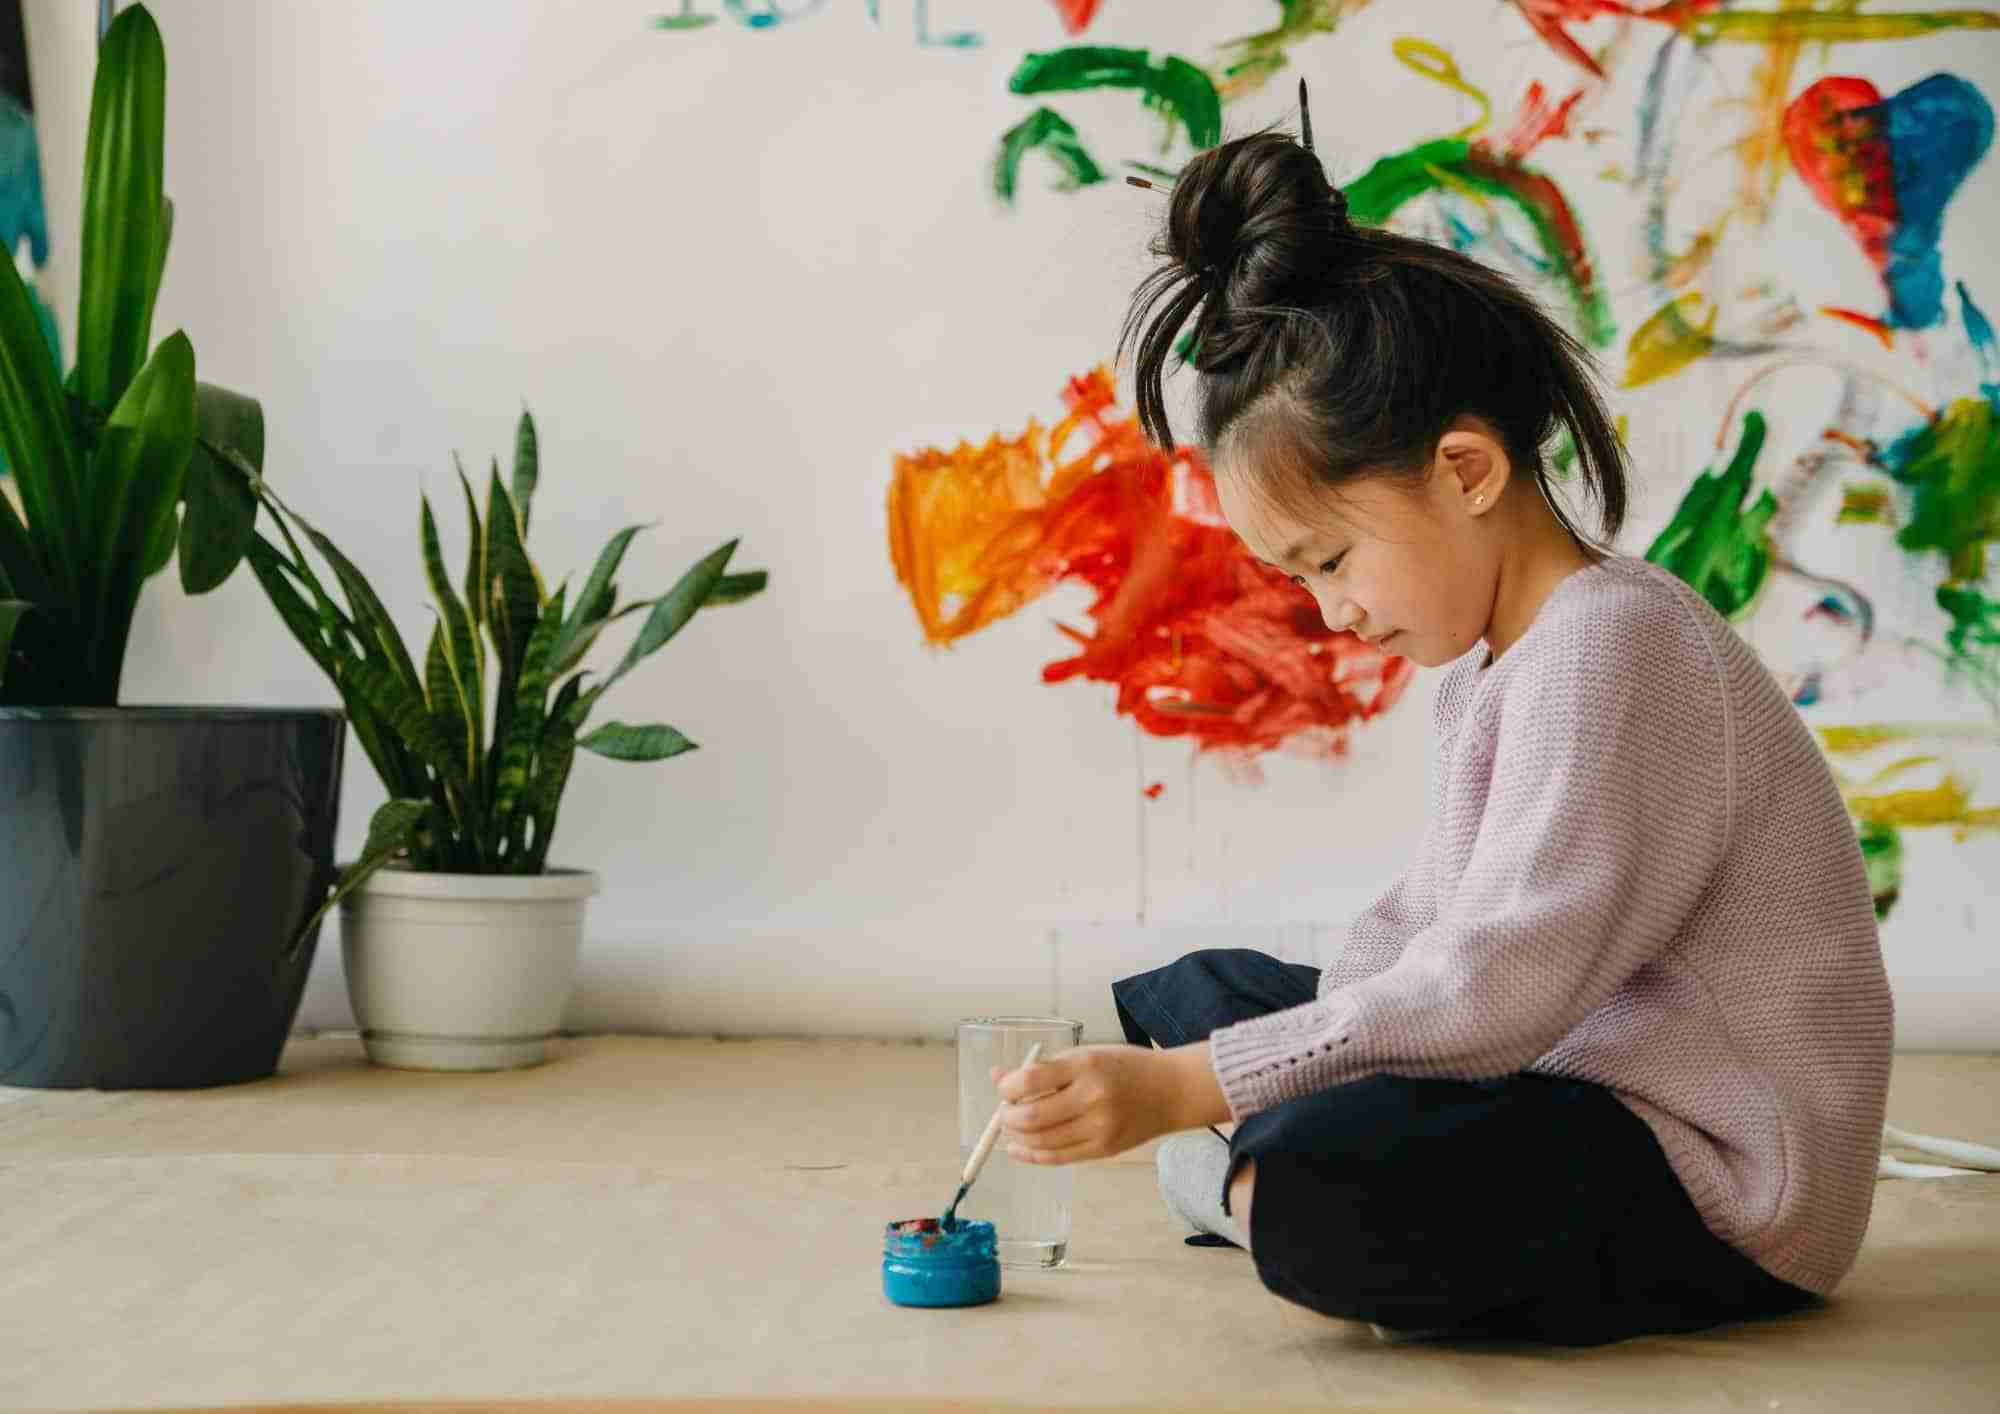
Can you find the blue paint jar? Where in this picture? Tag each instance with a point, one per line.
(923, 1265)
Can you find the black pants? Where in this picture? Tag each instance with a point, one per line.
(1525, 1207)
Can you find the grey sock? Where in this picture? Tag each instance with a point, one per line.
(1192, 1166)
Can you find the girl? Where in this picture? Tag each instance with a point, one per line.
(1611, 1056)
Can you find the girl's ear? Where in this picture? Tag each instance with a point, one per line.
(1477, 464)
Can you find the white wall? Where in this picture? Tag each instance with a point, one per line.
(734, 273)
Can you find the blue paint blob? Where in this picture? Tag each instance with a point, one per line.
(1938, 129)
(924, 1265)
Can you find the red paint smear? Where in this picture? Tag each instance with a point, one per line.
(1544, 196)
(1200, 638)
(1835, 135)
(1077, 14)
(1535, 122)
(1155, 791)
(1862, 321)
(1547, 18)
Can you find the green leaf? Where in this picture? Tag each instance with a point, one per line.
(552, 765)
(392, 830)
(594, 603)
(626, 743)
(475, 555)
(160, 542)
(514, 587)
(447, 702)
(220, 488)
(135, 478)
(524, 730)
(671, 611)
(11, 611)
(460, 657)
(527, 467)
(122, 208)
(405, 713)
(270, 568)
(377, 631)
(735, 588)
(35, 438)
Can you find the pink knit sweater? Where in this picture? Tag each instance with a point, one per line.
(1638, 872)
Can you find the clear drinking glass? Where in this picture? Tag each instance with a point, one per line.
(1028, 1204)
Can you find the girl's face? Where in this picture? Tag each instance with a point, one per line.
(1412, 568)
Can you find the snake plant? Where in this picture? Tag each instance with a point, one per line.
(469, 793)
(130, 458)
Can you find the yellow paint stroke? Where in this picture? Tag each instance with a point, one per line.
(1683, 268)
(1761, 149)
(1668, 342)
(1848, 741)
(1946, 803)
(1436, 64)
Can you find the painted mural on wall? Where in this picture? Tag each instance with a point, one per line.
(1862, 556)
(23, 222)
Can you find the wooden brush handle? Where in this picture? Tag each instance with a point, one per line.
(978, 1159)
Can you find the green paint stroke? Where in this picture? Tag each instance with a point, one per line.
(1882, 857)
(1376, 194)
(1952, 463)
(1043, 130)
(1180, 90)
(1256, 57)
(1973, 639)
(1829, 26)
(1713, 543)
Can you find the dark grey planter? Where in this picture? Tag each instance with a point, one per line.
(157, 865)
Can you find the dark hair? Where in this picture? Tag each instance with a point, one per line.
(1338, 351)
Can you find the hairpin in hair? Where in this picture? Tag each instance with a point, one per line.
(1149, 186)
(1305, 117)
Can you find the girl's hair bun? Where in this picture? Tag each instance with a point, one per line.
(1255, 220)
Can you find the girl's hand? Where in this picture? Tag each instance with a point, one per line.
(1089, 1102)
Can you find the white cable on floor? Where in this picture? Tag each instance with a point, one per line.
(1966, 1157)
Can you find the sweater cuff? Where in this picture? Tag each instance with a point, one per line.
(1267, 1060)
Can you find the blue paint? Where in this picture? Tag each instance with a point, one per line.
(923, 1265)
(1938, 129)
(1979, 332)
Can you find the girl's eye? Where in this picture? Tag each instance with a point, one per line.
(1328, 568)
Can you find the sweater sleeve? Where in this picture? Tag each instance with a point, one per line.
(1606, 812)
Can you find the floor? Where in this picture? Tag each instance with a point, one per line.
(647, 1223)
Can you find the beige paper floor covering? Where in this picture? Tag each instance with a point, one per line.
(677, 1224)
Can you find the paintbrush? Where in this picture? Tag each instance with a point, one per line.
(978, 1160)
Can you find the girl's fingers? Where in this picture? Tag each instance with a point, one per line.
(1044, 1153)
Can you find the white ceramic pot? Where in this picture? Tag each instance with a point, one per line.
(462, 971)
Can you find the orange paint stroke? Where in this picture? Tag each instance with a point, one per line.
(1536, 122)
(1199, 637)
(1862, 321)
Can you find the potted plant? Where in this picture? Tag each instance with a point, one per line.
(162, 863)
(460, 940)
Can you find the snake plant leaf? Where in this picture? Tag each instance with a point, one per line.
(220, 489)
(552, 767)
(391, 831)
(524, 730)
(307, 627)
(514, 586)
(446, 699)
(655, 742)
(527, 467)
(475, 561)
(461, 657)
(671, 612)
(42, 558)
(123, 211)
(405, 713)
(377, 630)
(11, 611)
(735, 588)
(595, 600)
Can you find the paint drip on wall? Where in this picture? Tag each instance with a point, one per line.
(1198, 638)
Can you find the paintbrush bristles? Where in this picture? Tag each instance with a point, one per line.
(1305, 117)
(1142, 182)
